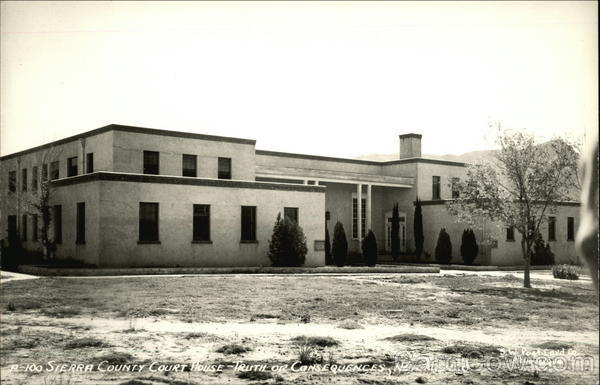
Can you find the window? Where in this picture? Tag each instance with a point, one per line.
(148, 222)
(34, 179)
(189, 165)
(455, 193)
(72, 166)
(12, 229)
(355, 217)
(570, 229)
(54, 170)
(12, 181)
(44, 172)
(34, 227)
(291, 213)
(552, 228)
(151, 165)
(89, 163)
(436, 188)
(80, 238)
(23, 227)
(224, 168)
(24, 180)
(248, 223)
(57, 224)
(201, 223)
(510, 233)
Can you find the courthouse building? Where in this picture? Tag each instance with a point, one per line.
(125, 196)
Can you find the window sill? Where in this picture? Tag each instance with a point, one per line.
(148, 242)
(248, 241)
(202, 242)
(570, 240)
(551, 240)
(80, 242)
(510, 240)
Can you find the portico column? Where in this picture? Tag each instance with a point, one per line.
(305, 181)
(359, 211)
(368, 207)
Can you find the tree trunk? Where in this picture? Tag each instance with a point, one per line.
(527, 256)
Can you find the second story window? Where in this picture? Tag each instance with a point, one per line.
(12, 181)
(436, 188)
(34, 179)
(455, 183)
(151, 162)
(89, 163)
(54, 170)
(72, 166)
(189, 163)
(24, 180)
(224, 168)
(552, 228)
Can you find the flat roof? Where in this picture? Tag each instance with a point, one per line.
(124, 128)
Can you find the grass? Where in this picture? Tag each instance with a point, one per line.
(86, 342)
(409, 337)
(316, 341)
(350, 325)
(116, 358)
(555, 345)
(233, 349)
(471, 350)
(255, 375)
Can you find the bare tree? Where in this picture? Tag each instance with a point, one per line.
(523, 184)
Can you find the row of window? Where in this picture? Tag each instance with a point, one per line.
(56, 222)
(189, 165)
(436, 187)
(510, 231)
(52, 170)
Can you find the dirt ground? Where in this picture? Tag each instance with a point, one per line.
(249, 329)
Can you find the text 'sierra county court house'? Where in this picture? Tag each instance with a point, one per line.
(125, 196)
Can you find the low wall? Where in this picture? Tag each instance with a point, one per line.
(83, 272)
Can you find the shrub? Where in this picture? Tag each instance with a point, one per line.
(468, 247)
(369, 249)
(339, 248)
(233, 349)
(565, 272)
(542, 255)
(288, 243)
(418, 229)
(86, 342)
(409, 337)
(322, 342)
(328, 258)
(443, 249)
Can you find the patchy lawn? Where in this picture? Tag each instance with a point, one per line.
(239, 329)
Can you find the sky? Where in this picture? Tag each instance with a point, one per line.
(324, 78)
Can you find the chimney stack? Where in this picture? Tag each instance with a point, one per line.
(410, 146)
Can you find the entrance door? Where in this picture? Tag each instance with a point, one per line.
(388, 232)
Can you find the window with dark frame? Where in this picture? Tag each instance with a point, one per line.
(12, 181)
(54, 170)
(436, 188)
(57, 224)
(189, 165)
(148, 229)
(551, 228)
(151, 162)
(510, 233)
(24, 180)
(201, 230)
(224, 168)
(45, 172)
(80, 237)
(12, 229)
(23, 227)
(34, 227)
(570, 228)
(89, 163)
(455, 182)
(34, 179)
(72, 166)
(248, 223)
(291, 213)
